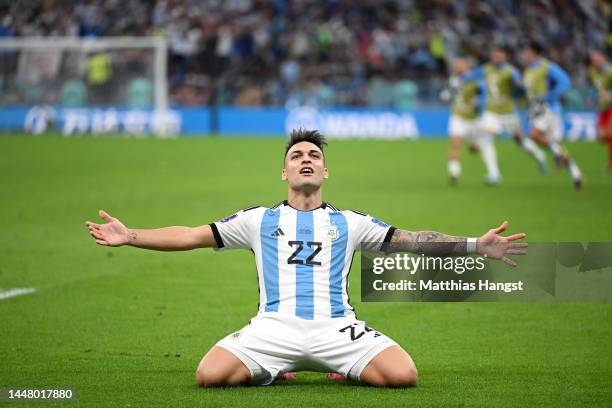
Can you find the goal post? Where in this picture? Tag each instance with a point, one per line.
(69, 73)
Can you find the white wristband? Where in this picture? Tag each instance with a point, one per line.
(471, 245)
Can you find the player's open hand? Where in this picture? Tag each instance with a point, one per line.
(113, 233)
(494, 245)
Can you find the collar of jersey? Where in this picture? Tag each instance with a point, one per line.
(322, 206)
(536, 63)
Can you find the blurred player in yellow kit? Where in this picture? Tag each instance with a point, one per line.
(502, 80)
(463, 121)
(545, 84)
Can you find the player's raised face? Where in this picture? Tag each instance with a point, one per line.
(304, 167)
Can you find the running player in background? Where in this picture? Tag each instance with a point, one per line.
(303, 249)
(463, 121)
(545, 83)
(502, 80)
(600, 73)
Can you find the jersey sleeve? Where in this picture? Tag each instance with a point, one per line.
(473, 75)
(369, 233)
(237, 230)
(561, 80)
(517, 79)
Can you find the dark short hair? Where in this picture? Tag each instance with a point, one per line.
(302, 135)
(507, 49)
(536, 47)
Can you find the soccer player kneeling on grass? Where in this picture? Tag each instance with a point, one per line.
(303, 249)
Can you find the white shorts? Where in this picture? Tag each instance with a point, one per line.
(274, 343)
(463, 128)
(499, 123)
(550, 123)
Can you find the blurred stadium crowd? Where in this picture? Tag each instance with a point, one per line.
(325, 52)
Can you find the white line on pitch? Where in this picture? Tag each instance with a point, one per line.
(16, 292)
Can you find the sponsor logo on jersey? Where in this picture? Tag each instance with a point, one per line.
(277, 233)
(379, 222)
(229, 218)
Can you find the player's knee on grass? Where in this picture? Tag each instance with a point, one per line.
(219, 377)
(391, 368)
(404, 376)
(221, 368)
(399, 376)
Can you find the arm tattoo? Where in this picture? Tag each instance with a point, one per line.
(133, 235)
(428, 243)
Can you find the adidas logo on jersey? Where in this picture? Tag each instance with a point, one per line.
(277, 233)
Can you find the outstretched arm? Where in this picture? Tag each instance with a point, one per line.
(431, 243)
(114, 233)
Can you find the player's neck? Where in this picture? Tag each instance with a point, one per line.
(305, 201)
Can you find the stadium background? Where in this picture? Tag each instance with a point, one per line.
(127, 327)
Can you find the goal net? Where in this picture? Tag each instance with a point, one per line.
(102, 85)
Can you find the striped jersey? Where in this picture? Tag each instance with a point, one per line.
(303, 257)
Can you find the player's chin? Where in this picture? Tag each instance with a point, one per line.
(309, 183)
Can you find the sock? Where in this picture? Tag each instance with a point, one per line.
(574, 170)
(533, 149)
(454, 168)
(556, 149)
(489, 155)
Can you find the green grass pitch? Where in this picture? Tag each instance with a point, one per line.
(126, 327)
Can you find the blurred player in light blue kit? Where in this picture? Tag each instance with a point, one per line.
(500, 115)
(545, 83)
(463, 121)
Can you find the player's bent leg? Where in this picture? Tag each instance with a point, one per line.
(392, 367)
(539, 137)
(528, 145)
(220, 367)
(454, 166)
(489, 157)
(455, 147)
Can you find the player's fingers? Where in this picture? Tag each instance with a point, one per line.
(105, 216)
(93, 227)
(508, 261)
(96, 234)
(516, 252)
(501, 228)
(101, 242)
(92, 224)
(514, 237)
(518, 245)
